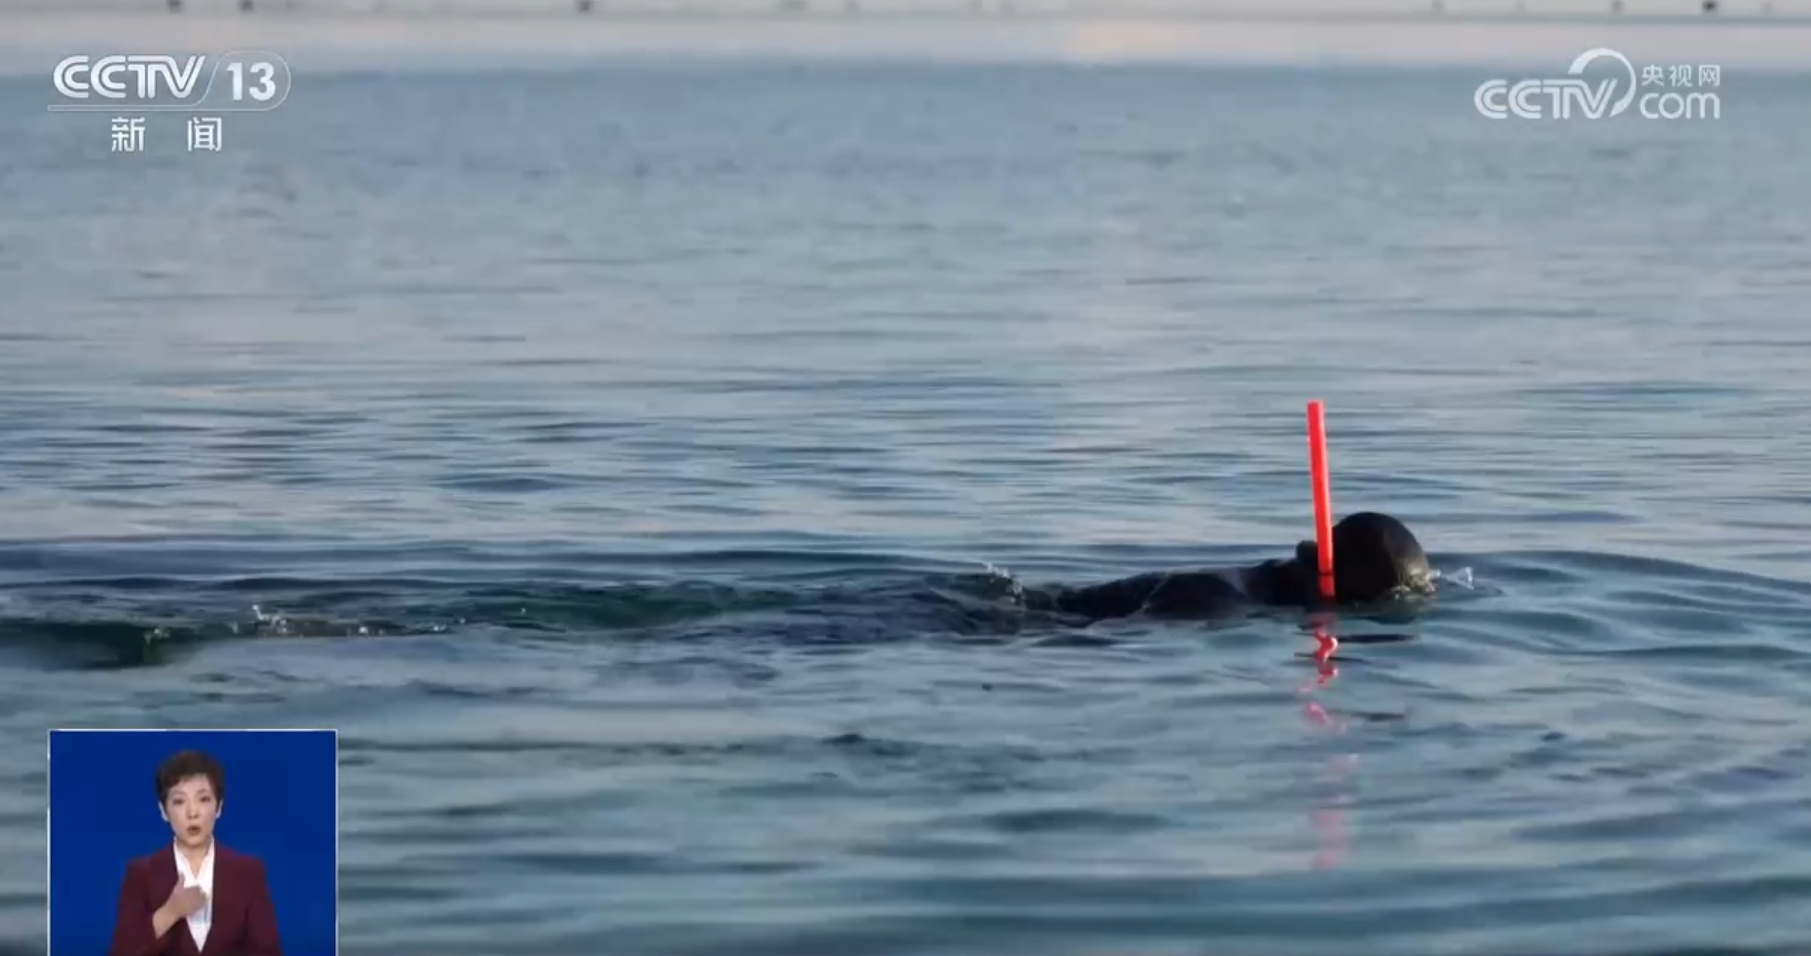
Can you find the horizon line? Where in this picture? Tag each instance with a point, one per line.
(991, 11)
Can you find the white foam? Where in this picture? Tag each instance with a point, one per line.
(1461, 577)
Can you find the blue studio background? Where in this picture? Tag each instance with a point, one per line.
(280, 806)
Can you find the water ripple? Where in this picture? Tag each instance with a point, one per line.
(644, 470)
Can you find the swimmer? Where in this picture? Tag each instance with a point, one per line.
(1375, 557)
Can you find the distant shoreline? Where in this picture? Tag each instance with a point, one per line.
(31, 40)
(851, 11)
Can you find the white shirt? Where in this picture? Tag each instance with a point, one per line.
(202, 919)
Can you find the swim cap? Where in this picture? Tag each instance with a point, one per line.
(1375, 555)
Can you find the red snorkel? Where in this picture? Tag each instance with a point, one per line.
(1323, 495)
(1323, 519)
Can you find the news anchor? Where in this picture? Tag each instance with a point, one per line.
(194, 897)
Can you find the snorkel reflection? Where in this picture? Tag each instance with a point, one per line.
(1333, 842)
(1328, 821)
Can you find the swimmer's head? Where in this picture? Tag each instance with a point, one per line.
(1374, 557)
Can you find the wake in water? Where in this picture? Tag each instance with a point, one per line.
(137, 620)
(120, 620)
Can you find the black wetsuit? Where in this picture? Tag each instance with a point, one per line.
(1180, 593)
(1376, 555)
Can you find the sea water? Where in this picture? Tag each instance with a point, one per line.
(638, 463)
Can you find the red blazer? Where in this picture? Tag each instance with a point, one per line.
(245, 922)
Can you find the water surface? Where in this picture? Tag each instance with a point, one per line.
(638, 466)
